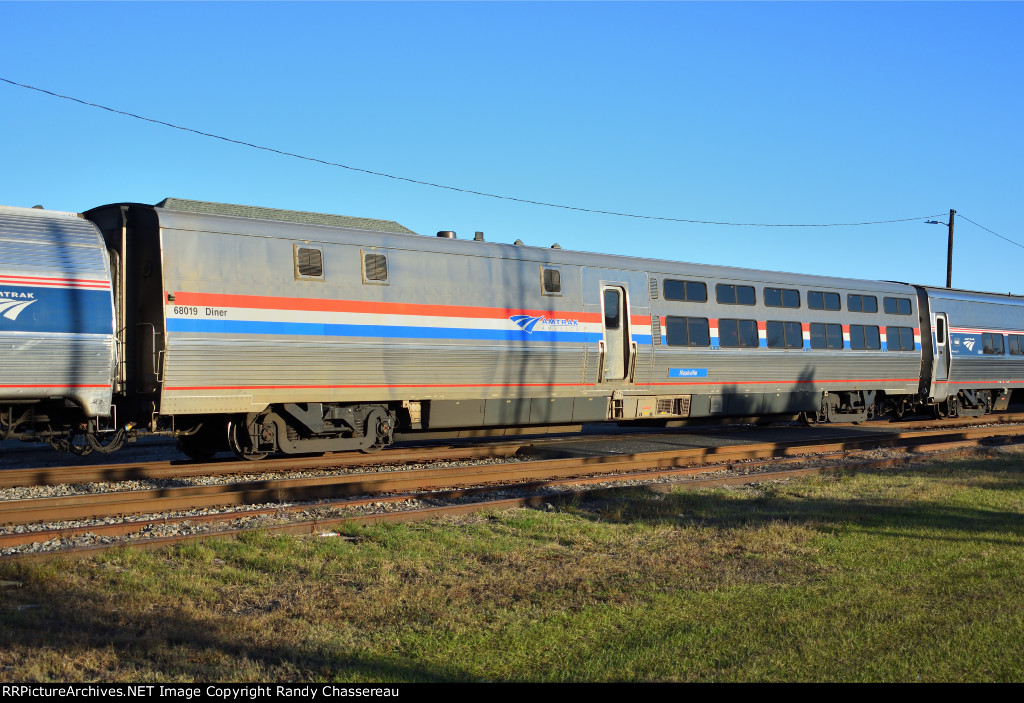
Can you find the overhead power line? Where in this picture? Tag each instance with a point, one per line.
(454, 188)
(1007, 239)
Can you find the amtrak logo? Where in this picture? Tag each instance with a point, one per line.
(969, 343)
(11, 308)
(529, 322)
(526, 321)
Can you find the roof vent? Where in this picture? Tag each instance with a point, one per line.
(556, 245)
(447, 234)
(478, 237)
(518, 242)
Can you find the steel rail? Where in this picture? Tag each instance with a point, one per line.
(124, 528)
(498, 447)
(120, 503)
(322, 527)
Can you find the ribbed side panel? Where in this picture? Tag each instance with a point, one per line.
(279, 371)
(35, 244)
(997, 371)
(790, 371)
(34, 367)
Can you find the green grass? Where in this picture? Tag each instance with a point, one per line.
(902, 575)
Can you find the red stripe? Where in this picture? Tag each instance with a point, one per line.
(801, 380)
(380, 308)
(62, 282)
(962, 383)
(54, 385)
(971, 330)
(373, 385)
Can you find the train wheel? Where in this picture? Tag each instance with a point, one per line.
(239, 444)
(197, 448)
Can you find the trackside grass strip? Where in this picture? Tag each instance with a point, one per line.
(914, 574)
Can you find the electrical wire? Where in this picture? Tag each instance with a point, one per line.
(964, 217)
(454, 188)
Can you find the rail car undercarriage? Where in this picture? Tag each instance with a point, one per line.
(316, 428)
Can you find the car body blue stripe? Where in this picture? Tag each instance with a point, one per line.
(61, 310)
(315, 329)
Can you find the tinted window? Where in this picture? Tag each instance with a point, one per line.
(737, 333)
(690, 291)
(611, 309)
(991, 343)
(785, 335)
(687, 332)
(861, 303)
(826, 336)
(1016, 344)
(781, 298)
(864, 337)
(899, 338)
(729, 294)
(375, 266)
(818, 300)
(897, 306)
(309, 262)
(552, 281)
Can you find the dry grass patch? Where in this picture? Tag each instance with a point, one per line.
(849, 576)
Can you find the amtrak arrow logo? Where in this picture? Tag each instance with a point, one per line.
(12, 308)
(527, 322)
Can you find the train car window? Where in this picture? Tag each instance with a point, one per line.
(375, 268)
(940, 330)
(611, 309)
(865, 337)
(688, 291)
(896, 306)
(784, 335)
(826, 336)
(737, 333)
(819, 300)
(861, 303)
(899, 338)
(687, 332)
(781, 298)
(551, 281)
(991, 343)
(729, 294)
(1015, 342)
(309, 262)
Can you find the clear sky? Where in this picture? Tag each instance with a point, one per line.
(738, 112)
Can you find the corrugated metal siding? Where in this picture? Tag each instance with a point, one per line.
(37, 244)
(35, 364)
(54, 361)
(296, 368)
(764, 371)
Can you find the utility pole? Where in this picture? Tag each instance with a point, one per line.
(949, 252)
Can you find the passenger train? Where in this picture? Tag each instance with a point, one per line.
(262, 331)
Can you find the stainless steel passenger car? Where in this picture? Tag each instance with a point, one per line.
(56, 322)
(978, 342)
(265, 330)
(317, 333)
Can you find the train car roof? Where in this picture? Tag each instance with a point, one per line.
(256, 221)
(973, 296)
(297, 216)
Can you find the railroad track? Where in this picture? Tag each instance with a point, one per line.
(338, 497)
(500, 448)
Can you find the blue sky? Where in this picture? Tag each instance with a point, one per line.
(737, 112)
